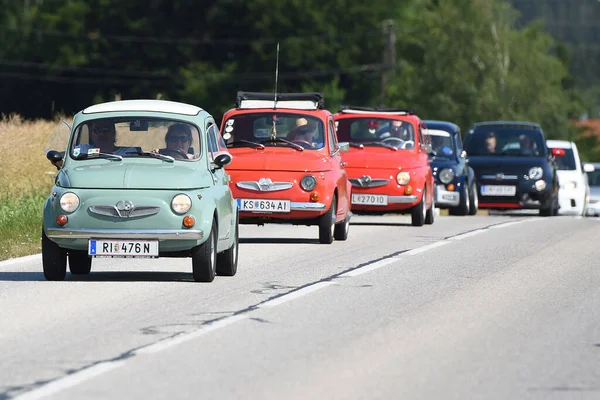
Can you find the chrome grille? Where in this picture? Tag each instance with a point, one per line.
(136, 211)
(500, 177)
(366, 182)
(264, 185)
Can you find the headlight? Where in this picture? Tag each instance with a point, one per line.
(308, 182)
(536, 173)
(569, 185)
(181, 203)
(69, 202)
(446, 175)
(403, 178)
(540, 185)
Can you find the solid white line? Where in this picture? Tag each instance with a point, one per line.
(467, 234)
(11, 261)
(425, 248)
(70, 380)
(294, 295)
(166, 343)
(370, 267)
(505, 224)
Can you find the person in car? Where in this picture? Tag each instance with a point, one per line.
(178, 140)
(527, 146)
(490, 142)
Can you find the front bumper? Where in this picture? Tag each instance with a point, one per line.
(571, 202)
(593, 208)
(445, 198)
(526, 196)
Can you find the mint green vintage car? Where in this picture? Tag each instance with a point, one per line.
(144, 179)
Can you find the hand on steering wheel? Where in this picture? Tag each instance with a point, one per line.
(174, 153)
(393, 139)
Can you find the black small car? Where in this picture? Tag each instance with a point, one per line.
(513, 166)
(455, 186)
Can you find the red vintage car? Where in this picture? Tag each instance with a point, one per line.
(388, 162)
(287, 166)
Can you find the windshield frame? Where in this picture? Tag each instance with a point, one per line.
(378, 127)
(475, 141)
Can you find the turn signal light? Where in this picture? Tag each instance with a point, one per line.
(188, 221)
(314, 196)
(450, 187)
(408, 190)
(61, 220)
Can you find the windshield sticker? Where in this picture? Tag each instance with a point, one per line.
(94, 151)
(76, 152)
(229, 129)
(229, 122)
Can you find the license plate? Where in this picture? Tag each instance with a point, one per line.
(498, 190)
(370, 199)
(268, 206)
(122, 248)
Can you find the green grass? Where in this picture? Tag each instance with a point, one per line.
(21, 224)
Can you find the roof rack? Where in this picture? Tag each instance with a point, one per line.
(378, 110)
(299, 101)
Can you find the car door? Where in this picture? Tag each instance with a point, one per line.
(424, 160)
(339, 167)
(216, 145)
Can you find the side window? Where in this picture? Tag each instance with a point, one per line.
(421, 134)
(332, 137)
(215, 142)
(459, 146)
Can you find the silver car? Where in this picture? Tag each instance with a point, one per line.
(593, 172)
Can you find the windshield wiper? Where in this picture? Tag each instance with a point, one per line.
(152, 155)
(246, 143)
(356, 145)
(381, 144)
(99, 155)
(281, 140)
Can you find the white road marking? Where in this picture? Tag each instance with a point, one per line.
(11, 261)
(294, 295)
(423, 249)
(70, 380)
(370, 267)
(166, 343)
(467, 234)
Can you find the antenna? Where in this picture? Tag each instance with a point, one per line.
(274, 129)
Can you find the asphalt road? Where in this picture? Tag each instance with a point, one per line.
(484, 307)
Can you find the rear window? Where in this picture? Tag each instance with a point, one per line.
(566, 162)
(505, 141)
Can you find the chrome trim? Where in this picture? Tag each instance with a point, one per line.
(500, 177)
(402, 199)
(112, 211)
(160, 234)
(300, 206)
(365, 181)
(264, 185)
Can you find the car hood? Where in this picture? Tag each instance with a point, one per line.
(505, 164)
(113, 175)
(278, 159)
(380, 158)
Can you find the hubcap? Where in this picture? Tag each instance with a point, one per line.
(424, 204)
(213, 253)
(467, 198)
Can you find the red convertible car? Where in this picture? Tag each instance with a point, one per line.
(287, 166)
(388, 163)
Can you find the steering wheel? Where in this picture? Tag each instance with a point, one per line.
(393, 139)
(304, 143)
(178, 154)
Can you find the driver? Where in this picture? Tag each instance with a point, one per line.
(178, 139)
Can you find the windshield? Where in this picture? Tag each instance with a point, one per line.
(442, 145)
(374, 131)
(274, 129)
(505, 141)
(136, 137)
(566, 162)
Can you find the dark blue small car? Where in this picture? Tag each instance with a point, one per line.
(455, 186)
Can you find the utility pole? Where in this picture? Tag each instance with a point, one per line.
(388, 68)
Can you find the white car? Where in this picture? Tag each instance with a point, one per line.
(593, 172)
(574, 188)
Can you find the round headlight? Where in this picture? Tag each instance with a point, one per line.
(570, 185)
(446, 175)
(181, 203)
(536, 173)
(403, 178)
(540, 185)
(308, 182)
(69, 202)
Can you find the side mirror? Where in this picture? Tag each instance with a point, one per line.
(558, 152)
(344, 146)
(222, 160)
(588, 167)
(463, 154)
(55, 157)
(427, 148)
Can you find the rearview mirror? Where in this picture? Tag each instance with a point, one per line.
(588, 167)
(55, 157)
(344, 146)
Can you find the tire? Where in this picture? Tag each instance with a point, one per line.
(430, 214)
(418, 212)
(474, 200)
(327, 223)
(227, 261)
(341, 230)
(54, 260)
(552, 210)
(204, 257)
(79, 262)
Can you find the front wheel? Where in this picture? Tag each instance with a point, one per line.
(227, 261)
(474, 200)
(54, 260)
(341, 230)
(327, 223)
(204, 258)
(79, 262)
(419, 212)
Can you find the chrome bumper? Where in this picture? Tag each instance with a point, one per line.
(444, 197)
(179, 234)
(299, 206)
(402, 199)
